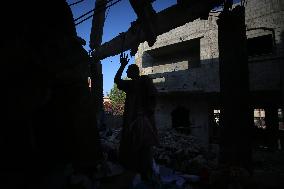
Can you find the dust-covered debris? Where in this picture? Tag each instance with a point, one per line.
(184, 153)
(181, 152)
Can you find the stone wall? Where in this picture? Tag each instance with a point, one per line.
(198, 114)
(265, 17)
(181, 76)
(171, 76)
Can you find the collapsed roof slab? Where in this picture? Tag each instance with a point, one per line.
(167, 20)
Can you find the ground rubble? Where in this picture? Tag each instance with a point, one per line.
(182, 161)
(183, 152)
(179, 157)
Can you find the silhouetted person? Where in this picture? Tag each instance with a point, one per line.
(139, 133)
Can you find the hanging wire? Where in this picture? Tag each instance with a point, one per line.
(94, 9)
(75, 3)
(95, 12)
(90, 11)
(83, 15)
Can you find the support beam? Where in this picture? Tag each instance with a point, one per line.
(147, 18)
(96, 66)
(167, 20)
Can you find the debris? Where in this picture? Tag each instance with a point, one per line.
(183, 153)
(179, 160)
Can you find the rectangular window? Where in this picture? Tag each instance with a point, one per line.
(217, 117)
(259, 118)
(281, 119)
(179, 53)
(261, 45)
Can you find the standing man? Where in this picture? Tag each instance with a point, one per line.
(139, 133)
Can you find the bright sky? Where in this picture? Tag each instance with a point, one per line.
(119, 18)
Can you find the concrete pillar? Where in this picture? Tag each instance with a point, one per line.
(236, 116)
(96, 66)
(97, 89)
(282, 72)
(272, 126)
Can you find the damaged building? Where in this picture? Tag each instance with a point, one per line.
(51, 113)
(184, 65)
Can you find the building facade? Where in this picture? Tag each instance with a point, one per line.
(184, 66)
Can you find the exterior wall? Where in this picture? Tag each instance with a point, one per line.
(180, 76)
(198, 114)
(266, 71)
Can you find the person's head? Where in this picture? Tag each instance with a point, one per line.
(133, 71)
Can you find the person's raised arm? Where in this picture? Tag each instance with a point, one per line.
(123, 62)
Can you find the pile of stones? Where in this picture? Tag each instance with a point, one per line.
(178, 151)
(184, 153)
(110, 139)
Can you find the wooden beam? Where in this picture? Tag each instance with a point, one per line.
(167, 20)
(98, 24)
(96, 67)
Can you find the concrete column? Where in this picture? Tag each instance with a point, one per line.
(236, 115)
(96, 66)
(97, 89)
(272, 126)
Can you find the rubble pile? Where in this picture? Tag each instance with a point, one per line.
(111, 136)
(110, 142)
(183, 153)
(176, 150)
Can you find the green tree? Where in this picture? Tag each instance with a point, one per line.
(117, 98)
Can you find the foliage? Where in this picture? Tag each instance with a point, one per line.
(117, 100)
(108, 107)
(117, 96)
